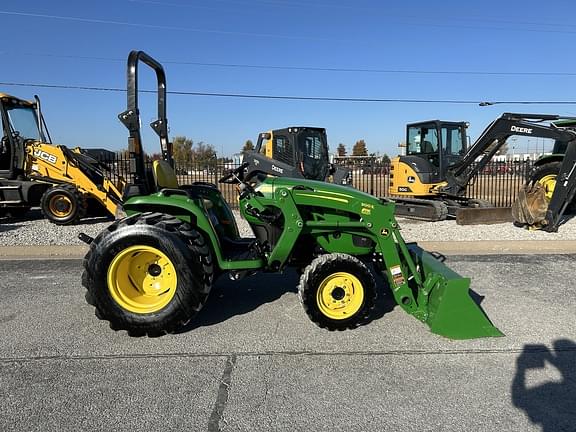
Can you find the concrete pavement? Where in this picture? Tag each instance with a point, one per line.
(253, 361)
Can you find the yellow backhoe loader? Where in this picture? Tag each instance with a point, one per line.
(36, 172)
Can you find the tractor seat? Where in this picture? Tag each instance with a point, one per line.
(165, 179)
(164, 175)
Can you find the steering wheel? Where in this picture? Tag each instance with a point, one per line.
(234, 176)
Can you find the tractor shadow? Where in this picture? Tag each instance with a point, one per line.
(232, 298)
(551, 404)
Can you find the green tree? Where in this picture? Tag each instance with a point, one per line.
(341, 150)
(204, 154)
(360, 148)
(182, 149)
(248, 146)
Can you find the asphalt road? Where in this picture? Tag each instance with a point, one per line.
(253, 361)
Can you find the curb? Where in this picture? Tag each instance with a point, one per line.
(53, 252)
(480, 247)
(502, 247)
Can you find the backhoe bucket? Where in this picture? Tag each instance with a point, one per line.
(452, 312)
(531, 205)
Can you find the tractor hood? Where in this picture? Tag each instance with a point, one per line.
(323, 190)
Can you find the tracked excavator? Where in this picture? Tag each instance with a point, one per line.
(36, 172)
(439, 166)
(417, 178)
(534, 207)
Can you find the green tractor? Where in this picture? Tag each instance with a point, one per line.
(151, 272)
(547, 167)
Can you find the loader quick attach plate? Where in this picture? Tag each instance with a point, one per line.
(452, 312)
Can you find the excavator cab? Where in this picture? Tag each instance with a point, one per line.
(431, 147)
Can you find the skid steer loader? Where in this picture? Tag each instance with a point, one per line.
(151, 272)
(35, 172)
(297, 152)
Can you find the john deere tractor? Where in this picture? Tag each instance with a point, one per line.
(152, 271)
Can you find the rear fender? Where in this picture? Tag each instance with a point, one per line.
(182, 207)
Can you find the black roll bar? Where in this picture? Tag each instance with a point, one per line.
(131, 117)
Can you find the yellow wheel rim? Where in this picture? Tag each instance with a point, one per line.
(142, 279)
(60, 205)
(340, 296)
(549, 183)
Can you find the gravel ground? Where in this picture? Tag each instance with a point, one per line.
(37, 231)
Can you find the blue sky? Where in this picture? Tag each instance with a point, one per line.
(85, 43)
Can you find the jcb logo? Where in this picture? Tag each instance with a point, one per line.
(45, 156)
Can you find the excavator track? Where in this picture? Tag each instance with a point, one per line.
(422, 209)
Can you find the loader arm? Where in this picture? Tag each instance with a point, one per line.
(58, 164)
(493, 138)
(565, 189)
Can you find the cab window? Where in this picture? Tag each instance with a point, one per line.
(282, 149)
(422, 140)
(452, 140)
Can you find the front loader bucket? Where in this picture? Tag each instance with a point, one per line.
(452, 312)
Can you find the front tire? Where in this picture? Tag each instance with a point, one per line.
(63, 205)
(148, 274)
(337, 291)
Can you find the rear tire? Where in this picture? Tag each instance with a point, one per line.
(337, 291)
(63, 205)
(148, 274)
